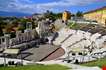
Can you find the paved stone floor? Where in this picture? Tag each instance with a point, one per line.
(38, 53)
(58, 53)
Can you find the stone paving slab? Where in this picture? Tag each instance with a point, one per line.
(39, 53)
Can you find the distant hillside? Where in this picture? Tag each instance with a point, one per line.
(18, 14)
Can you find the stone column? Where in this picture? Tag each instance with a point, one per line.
(7, 41)
(41, 27)
(34, 34)
(28, 25)
(18, 36)
(0, 42)
(24, 36)
(27, 32)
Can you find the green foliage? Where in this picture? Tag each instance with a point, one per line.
(8, 28)
(50, 15)
(79, 14)
(12, 35)
(8, 23)
(14, 23)
(34, 25)
(1, 32)
(2, 23)
(99, 63)
(58, 15)
(22, 20)
(22, 28)
(36, 67)
(73, 25)
(23, 23)
(53, 16)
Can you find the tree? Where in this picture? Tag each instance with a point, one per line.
(49, 14)
(8, 28)
(15, 23)
(22, 24)
(22, 28)
(34, 25)
(53, 16)
(59, 15)
(1, 26)
(79, 14)
(1, 32)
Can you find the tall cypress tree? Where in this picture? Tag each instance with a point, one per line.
(79, 14)
(1, 32)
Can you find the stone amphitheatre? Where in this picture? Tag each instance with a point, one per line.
(76, 45)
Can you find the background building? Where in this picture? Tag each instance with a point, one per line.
(98, 15)
(66, 15)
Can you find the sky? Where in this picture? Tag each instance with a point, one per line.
(40, 6)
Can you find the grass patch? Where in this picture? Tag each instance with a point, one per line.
(36, 67)
(99, 63)
(73, 25)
